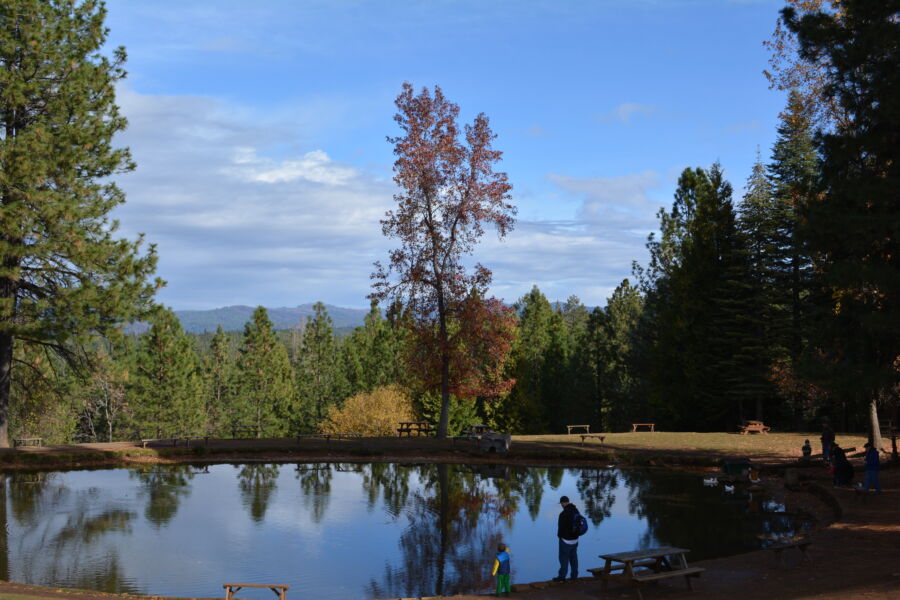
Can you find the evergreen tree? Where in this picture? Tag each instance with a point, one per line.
(263, 388)
(218, 376)
(167, 393)
(320, 376)
(852, 230)
(63, 275)
(700, 345)
(373, 354)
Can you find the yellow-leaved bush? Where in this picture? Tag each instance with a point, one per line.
(372, 414)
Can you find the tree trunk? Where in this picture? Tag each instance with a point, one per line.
(444, 423)
(874, 425)
(6, 356)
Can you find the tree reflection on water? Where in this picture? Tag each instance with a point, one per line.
(257, 483)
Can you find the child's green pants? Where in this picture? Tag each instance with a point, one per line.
(502, 583)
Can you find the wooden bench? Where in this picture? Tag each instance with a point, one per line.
(190, 438)
(28, 441)
(245, 430)
(585, 436)
(587, 428)
(800, 545)
(232, 588)
(754, 426)
(149, 441)
(650, 426)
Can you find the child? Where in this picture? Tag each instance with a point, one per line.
(807, 450)
(501, 569)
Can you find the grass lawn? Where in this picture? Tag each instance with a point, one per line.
(773, 445)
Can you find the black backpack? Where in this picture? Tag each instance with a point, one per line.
(579, 525)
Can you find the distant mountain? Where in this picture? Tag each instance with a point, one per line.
(233, 318)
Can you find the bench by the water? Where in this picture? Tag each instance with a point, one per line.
(28, 441)
(186, 439)
(585, 436)
(650, 426)
(232, 588)
(586, 428)
(754, 426)
(239, 429)
(643, 566)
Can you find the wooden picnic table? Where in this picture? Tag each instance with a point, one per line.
(28, 441)
(586, 428)
(414, 427)
(642, 566)
(634, 426)
(757, 426)
(238, 428)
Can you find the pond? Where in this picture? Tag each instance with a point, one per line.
(345, 531)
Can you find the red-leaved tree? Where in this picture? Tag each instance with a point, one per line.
(448, 192)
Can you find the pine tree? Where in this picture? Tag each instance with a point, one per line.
(63, 274)
(264, 394)
(167, 392)
(852, 230)
(218, 376)
(320, 377)
(373, 354)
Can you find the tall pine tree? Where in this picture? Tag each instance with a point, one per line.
(264, 394)
(167, 388)
(320, 377)
(63, 274)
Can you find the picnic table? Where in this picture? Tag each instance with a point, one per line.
(28, 441)
(634, 426)
(754, 426)
(414, 427)
(586, 428)
(642, 566)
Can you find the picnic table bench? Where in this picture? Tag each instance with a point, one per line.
(238, 428)
(28, 441)
(653, 565)
(754, 426)
(650, 426)
(414, 427)
(586, 436)
(232, 588)
(586, 428)
(149, 441)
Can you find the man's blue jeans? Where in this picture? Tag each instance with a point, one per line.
(568, 555)
(871, 481)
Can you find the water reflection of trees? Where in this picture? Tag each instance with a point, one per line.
(164, 486)
(454, 521)
(257, 483)
(679, 511)
(63, 552)
(315, 481)
(597, 487)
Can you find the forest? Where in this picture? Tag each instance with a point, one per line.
(780, 304)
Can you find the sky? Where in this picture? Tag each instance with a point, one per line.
(259, 132)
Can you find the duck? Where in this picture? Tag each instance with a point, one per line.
(710, 481)
(729, 489)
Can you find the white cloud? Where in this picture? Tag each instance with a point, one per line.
(624, 112)
(313, 166)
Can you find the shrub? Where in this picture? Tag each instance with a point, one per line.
(374, 413)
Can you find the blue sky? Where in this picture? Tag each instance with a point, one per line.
(259, 131)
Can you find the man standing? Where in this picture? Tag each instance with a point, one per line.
(568, 540)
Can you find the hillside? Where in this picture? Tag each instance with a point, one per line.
(232, 318)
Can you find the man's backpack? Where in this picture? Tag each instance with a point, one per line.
(579, 525)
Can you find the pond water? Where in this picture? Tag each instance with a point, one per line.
(345, 531)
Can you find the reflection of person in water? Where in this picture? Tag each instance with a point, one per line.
(501, 569)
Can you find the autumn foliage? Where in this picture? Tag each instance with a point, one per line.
(448, 192)
(372, 414)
